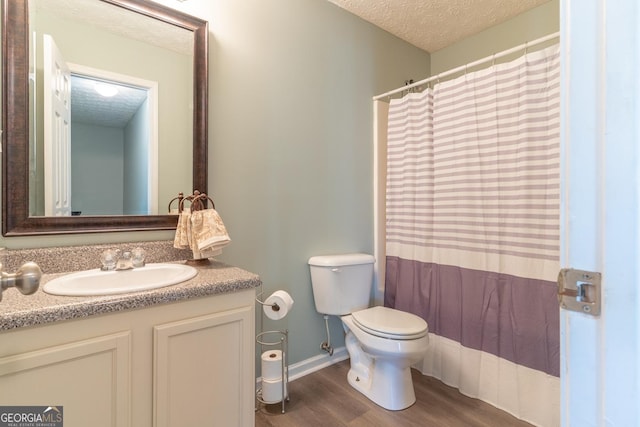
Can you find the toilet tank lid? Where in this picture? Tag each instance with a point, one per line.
(341, 260)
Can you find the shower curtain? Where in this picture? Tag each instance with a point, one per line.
(472, 230)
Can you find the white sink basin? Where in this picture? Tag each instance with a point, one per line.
(98, 282)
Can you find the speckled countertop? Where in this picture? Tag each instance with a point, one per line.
(17, 310)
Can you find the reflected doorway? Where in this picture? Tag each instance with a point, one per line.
(110, 147)
(100, 140)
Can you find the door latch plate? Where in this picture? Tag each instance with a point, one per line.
(580, 290)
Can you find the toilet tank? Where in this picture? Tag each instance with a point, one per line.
(341, 283)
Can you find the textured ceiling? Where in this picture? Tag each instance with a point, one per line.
(434, 24)
(122, 22)
(88, 106)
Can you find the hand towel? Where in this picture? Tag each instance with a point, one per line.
(205, 254)
(183, 231)
(208, 232)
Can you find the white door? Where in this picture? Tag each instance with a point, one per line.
(57, 131)
(600, 355)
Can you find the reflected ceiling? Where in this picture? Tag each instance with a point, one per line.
(122, 22)
(88, 106)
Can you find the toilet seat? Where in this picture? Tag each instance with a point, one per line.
(389, 323)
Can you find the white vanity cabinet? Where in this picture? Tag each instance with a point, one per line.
(180, 364)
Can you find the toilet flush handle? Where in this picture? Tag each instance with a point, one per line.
(335, 270)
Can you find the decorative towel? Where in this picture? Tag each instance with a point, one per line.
(208, 230)
(183, 230)
(201, 231)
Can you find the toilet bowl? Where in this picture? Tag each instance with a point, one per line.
(382, 354)
(382, 342)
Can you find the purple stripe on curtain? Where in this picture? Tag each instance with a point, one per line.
(511, 317)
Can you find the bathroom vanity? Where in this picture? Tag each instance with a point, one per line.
(176, 356)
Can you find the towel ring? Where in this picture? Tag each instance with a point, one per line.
(197, 202)
(181, 204)
(180, 198)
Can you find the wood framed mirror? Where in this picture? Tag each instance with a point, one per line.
(18, 111)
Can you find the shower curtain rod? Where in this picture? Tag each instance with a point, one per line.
(469, 65)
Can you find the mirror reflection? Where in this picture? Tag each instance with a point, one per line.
(94, 154)
(113, 145)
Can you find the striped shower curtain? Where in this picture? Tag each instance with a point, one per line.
(472, 230)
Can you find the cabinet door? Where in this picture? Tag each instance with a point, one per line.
(204, 371)
(89, 379)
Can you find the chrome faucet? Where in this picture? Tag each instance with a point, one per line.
(115, 259)
(26, 279)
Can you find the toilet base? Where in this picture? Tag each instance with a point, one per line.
(384, 382)
(392, 395)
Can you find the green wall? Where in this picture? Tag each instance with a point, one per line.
(291, 153)
(528, 26)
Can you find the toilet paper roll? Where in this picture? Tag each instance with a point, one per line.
(272, 391)
(283, 302)
(272, 365)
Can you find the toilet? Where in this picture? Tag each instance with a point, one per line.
(382, 342)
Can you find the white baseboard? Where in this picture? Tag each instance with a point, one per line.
(313, 364)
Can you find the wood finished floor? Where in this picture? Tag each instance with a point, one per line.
(324, 398)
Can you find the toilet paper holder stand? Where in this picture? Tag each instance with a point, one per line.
(278, 340)
(274, 340)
